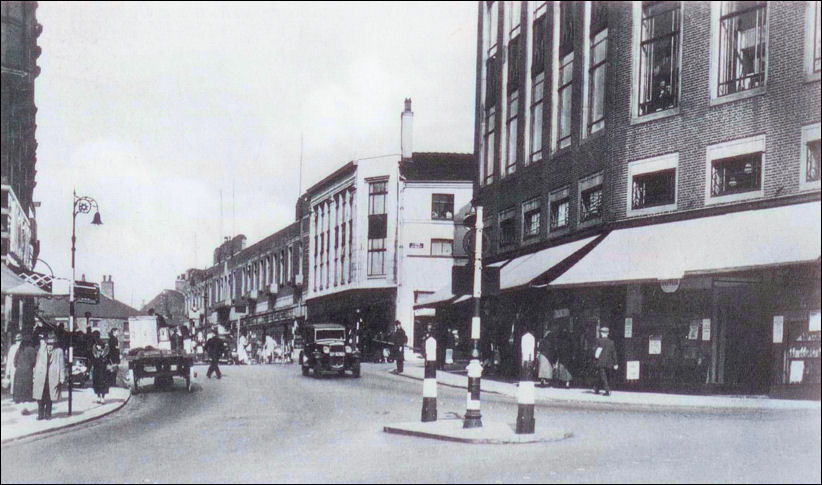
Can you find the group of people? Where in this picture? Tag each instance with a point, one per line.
(264, 350)
(553, 358)
(36, 369)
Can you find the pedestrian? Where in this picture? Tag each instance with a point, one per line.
(49, 373)
(400, 339)
(114, 353)
(242, 347)
(18, 339)
(214, 347)
(176, 339)
(606, 359)
(546, 352)
(24, 361)
(100, 367)
(562, 344)
(269, 348)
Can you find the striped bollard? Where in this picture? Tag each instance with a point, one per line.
(429, 385)
(525, 392)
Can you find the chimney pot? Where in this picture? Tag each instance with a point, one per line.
(406, 131)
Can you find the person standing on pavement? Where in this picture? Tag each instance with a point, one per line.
(606, 359)
(100, 362)
(114, 353)
(400, 339)
(18, 339)
(546, 352)
(24, 361)
(49, 373)
(214, 349)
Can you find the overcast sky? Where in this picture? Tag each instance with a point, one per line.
(153, 109)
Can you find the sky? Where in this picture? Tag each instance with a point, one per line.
(160, 111)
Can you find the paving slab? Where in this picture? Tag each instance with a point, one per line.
(493, 432)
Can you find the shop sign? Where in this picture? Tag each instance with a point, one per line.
(654, 345)
(632, 370)
(416, 245)
(562, 313)
(706, 329)
(797, 371)
(778, 325)
(425, 312)
(629, 327)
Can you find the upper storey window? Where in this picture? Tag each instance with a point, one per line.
(742, 51)
(659, 57)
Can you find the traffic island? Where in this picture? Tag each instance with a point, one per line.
(491, 433)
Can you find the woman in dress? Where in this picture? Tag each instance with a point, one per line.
(100, 360)
(24, 362)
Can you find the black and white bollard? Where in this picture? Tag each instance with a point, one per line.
(525, 392)
(429, 385)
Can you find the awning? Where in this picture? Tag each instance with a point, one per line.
(732, 242)
(524, 269)
(15, 285)
(440, 296)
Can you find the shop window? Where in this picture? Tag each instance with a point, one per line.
(507, 228)
(656, 86)
(530, 219)
(442, 247)
(740, 44)
(559, 208)
(590, 198)
(734, 170)
(442, 207)
(809, 176)
(652, 184)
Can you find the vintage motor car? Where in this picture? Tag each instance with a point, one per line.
(326, 350)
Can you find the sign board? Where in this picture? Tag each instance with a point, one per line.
(86, 292)
(654, 345)
(706, 329)
(778, 328)
(814, 322)
(425, 312)
(629, 327)
(414, 245)
(797, 371)
(693, 331)
(632, 370)
(142, 332)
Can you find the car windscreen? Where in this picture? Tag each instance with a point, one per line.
(330, 334)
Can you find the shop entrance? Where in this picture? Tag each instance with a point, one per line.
(744, 352)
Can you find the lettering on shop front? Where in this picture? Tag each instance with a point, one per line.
(778, 326)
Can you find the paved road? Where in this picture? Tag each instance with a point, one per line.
(269, 424)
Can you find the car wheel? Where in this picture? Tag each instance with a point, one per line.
(318, 373)
(305, 370)
(355, 370)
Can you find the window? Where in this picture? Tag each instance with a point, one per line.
(559, 203)
(813, 41)
(442, 206)
(742, 50)
(536, 119)
(513, 105)
(809, 178)
(377, 227)
(442, 247)
(596, 59)
(490, 158)
(658, 57)
(590, 198)
(513, 61)
(734, 170)
(376, 257)
(507, 228)
(530, 219)
(564, 92)
(538, 49)
(652, 184)
(514, 17)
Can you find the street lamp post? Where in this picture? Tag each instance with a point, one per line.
(82, 205)
(473, 417)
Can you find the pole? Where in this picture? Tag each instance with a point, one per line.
(525, 391)
(429, 385)
(71, 298)
(473, 417)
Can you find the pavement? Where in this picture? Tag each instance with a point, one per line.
(414, 368)
(20, 420)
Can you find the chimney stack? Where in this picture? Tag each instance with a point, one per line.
(407, 129)
(107, 287)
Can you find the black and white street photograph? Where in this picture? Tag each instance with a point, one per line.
(411, 242)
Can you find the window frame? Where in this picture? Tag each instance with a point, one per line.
(716, 32)
(810, 133)
(435, 241)
(590, 41)
(537, 106)
(731, 149)
(565, 142)
(531, 207)
(559, 196)
(504, 217)
(585, 185)
(648, 166)
(812, 30)
(637, 63)
(434, 205)
(374, 251)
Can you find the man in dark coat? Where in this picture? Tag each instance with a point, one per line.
(214, 347)
(400, 339)
(606, 359)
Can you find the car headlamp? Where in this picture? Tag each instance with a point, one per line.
(348, 349)
(326, 349)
